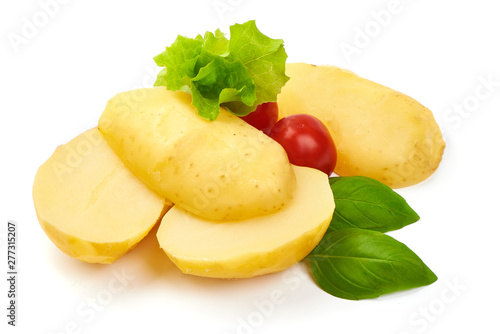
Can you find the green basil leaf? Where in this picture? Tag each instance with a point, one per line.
(358, 264)
(362, 202)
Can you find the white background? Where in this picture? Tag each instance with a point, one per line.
(56, 79)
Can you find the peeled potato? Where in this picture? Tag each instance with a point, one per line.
(89, 204)
(254, 246)
(379, 132)
(224, 169)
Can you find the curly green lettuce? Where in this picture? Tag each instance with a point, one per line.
(238, 74)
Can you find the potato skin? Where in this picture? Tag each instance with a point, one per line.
(220, 170)
(379, 132)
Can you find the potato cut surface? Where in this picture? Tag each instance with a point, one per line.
(254, 246)
(89, 204)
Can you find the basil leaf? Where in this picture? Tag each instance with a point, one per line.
(358, 264)
(362, 202)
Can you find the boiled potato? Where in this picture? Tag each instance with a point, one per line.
(254, 246)
(220, 170)
(379, 132)
(89, 204)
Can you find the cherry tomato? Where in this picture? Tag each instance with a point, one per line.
(307, 142)
(264, 117)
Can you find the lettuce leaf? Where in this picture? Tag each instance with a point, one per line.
(238, 74)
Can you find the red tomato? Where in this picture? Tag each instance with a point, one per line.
(307, 142)
(264, 117)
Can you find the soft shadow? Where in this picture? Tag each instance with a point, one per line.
(155, 265)
(149, 264)
(149, 257)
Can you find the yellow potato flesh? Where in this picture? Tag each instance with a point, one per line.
(379, 132)
(225, 169)
(89, 204)
(255, 246)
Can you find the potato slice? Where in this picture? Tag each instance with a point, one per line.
(255, 246)
(225, 169)
(89, 204)
(379, 132)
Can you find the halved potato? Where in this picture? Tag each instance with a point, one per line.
(254, 246)
(89, 204)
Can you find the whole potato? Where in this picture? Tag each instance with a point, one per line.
(379, 132)
(218, 170)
